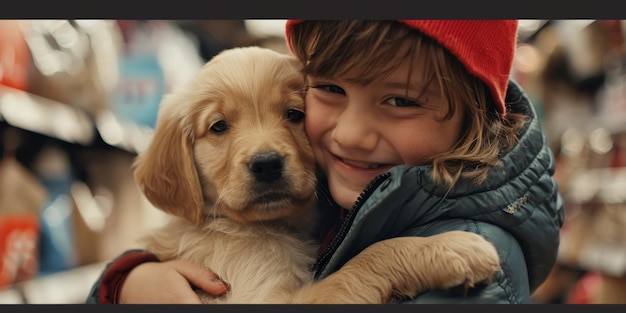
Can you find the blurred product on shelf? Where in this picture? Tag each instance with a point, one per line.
(21, 196)
(14, 55)
(18, 248)
(72, 61)
(57, 241)
(597, 288)
(156, 58)
(141, 79)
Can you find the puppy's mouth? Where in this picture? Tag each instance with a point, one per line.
(272, 198)
(272, 205)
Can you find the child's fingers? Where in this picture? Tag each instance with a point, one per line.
(156, 282)
(202, 278)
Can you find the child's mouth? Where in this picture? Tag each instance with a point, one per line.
(363, 165)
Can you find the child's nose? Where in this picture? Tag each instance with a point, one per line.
(355, 129)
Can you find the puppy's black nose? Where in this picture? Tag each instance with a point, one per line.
(266, 167)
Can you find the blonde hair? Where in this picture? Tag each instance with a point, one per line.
(365, 48)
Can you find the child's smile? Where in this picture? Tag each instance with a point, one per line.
(359, 132)
(358, 170)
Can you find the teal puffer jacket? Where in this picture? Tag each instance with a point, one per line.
(518, 208)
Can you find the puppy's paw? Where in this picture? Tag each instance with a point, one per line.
(466, 259)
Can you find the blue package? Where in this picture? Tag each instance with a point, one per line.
(139, 91)
(57, 242)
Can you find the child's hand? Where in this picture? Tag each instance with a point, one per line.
(169, 283)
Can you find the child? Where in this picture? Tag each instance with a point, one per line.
(417, 129)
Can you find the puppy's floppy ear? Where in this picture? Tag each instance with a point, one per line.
(166, 172)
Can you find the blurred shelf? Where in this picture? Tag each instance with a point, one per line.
(70, 124)
(45, 116)
(61, 121)
(122, 134)
(67, 287)
(599, 185)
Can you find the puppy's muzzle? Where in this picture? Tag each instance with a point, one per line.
(266, 167)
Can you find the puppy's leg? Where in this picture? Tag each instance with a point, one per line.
(406, 266)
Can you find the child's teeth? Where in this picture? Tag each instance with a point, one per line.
(363, 164)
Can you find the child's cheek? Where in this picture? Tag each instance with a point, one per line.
(313, 122)
(316, 124)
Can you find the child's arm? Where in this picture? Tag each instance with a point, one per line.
(138, 277)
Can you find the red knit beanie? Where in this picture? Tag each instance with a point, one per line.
(485, 47)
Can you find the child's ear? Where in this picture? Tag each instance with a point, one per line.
(166, 172)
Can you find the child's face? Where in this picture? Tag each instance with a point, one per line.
(359, 132)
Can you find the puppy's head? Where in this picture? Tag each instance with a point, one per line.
(231, 142)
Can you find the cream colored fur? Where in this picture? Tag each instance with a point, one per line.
(255, 235)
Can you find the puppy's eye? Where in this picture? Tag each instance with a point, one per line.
(294, 115)
(219, 127)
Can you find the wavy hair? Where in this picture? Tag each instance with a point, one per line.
(363, 48)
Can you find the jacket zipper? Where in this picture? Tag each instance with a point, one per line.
(324, 258)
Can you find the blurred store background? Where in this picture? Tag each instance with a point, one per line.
(79, 98)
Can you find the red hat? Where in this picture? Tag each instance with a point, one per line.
(485, 47)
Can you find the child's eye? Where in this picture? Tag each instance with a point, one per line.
(403, 102)
(330, 88)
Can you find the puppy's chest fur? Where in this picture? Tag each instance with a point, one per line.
(262, 262)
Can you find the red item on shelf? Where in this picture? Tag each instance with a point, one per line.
(584, 290)
(21, 197)
(14, 55)
(19, 233)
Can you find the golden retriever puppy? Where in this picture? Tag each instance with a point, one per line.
(230, 161)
